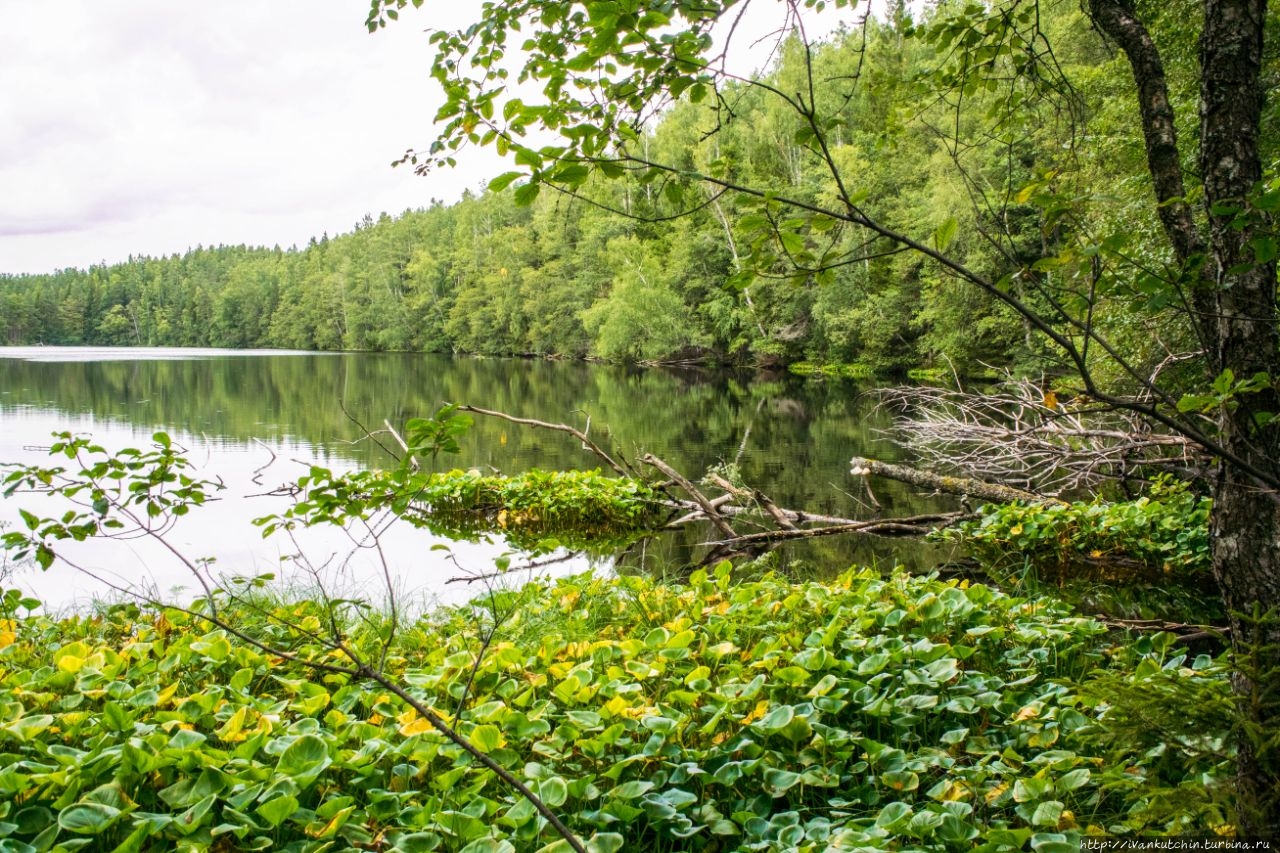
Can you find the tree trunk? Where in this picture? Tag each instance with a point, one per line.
(1234, 300)
(1246, 516)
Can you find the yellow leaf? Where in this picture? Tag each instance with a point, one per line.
(640, 712)
(757, 712)
(233, 730)
(416, 726)
(70, 663)
(995, 793)
(166, 695)
(1028, 712)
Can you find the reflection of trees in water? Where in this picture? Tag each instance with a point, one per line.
(790, 437)
(814, 558)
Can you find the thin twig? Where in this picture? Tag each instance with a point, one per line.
(581, 436)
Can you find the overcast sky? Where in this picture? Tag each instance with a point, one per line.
(148, 127)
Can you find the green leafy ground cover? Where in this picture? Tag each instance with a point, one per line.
(860, 714)
(580, 509)
(1145, 558)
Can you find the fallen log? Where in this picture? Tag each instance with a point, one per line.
(918, 525)
(860, 466)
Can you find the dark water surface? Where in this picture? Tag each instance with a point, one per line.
(233, 410)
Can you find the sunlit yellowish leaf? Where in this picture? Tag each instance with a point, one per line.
(416, 726)
(1027, 712)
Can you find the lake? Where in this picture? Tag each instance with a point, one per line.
(257, 419)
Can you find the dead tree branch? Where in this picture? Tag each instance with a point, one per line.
(587, 443)
(1023, 436)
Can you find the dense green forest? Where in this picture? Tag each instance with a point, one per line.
(616, 278)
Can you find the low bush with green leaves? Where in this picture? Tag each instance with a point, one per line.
(863, 713)
(580, 509)
(1157, 545)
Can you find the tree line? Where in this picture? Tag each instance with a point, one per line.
(503, 272)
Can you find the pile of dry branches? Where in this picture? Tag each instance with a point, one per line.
(1023, 436)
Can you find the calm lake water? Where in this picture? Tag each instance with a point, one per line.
(257, 419)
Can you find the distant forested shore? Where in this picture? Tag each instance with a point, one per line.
(619, 278)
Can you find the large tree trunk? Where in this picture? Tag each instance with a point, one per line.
(1246, 517)
(1235, 315)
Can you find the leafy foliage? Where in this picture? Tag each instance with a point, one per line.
(864, 713)
(1155, 547)
(579, 508)
(146, 490)
(1166, 532)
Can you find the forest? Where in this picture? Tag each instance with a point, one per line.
(1082, 197)
(620, 278)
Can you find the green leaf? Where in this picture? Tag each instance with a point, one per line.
(777, 719)
(777, 782)
(605, 842)
(553, 791)
(504, 180)
(1196, 403)
(900, 780)
(304, 759)
(526, 193)
(487, 738)
(88, 818)
(1054, 842)
(631, 790)
(946, 234)
(278, 810)
(1047, 813)
(573, 174)
(26, 728)
(418, 842)
(1073, 780)
(893, 814)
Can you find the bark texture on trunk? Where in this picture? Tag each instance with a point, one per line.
(1234, 300)
(1246, 517)
(1119, 20)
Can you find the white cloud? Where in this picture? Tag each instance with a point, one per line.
(147, 127)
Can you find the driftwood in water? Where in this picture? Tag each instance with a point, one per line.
(964, 486)
(739, 503)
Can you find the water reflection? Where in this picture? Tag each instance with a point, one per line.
(239, 411)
